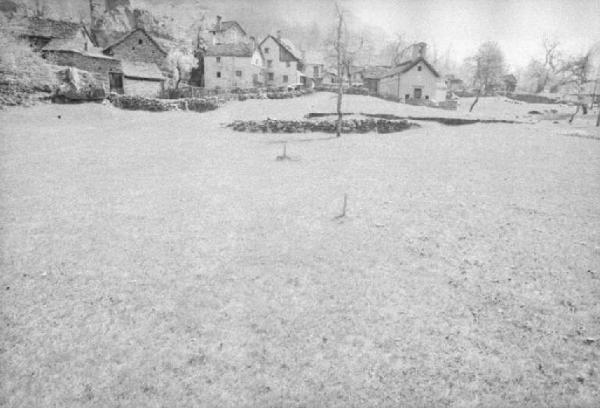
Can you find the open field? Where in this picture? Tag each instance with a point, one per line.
(162, 260)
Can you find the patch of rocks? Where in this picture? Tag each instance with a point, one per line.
(323, 126)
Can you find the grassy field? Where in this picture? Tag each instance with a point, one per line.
(162, 260)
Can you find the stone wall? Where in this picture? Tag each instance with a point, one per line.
(164, 105)
(324, 126)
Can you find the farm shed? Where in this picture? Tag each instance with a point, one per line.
(139, 78)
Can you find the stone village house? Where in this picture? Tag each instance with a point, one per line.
(283, 62)
(228, 66)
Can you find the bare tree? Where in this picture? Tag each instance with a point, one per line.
(488, 68)
(576, 72)
(181, 62)
(340, 55)
(551, 61)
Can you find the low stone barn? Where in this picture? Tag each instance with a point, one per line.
(139, 78)
(371, 77)
(103, 66)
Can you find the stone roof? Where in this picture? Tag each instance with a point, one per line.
(226, 25)
(44, 27)
(71, 44)
(407, 66)
(374, 72)
(126, 36)
(230, 50)
(141, 70)
(287, 45)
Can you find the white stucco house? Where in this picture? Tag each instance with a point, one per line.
(412, 80)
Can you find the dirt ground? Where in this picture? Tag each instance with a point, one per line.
(163, 260)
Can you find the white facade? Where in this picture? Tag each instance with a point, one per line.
(281, 67)
(419, 82)
(227, 72)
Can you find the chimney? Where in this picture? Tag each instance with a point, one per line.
(419, 50)
(218, 27)
(279, 34)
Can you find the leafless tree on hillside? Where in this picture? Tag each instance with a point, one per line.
(576, 71)
(488, 69)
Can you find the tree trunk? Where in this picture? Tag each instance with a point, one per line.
(475, 101)
(339, 72)
(574, 113)
(598, 120)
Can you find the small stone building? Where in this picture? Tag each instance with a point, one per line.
(142, 79)
(228, 66)
(105, 67)
(138, 46)
(283, 62)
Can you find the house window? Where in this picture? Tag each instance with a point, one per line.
(285, 78)
(287, 64)
(269, 63)
(140, 41)
(266, 50)
(238, 73)
(419, 68)
(426, 96)
(271, 76)
(218, 75)
(406, 97)
(316, 72)
(218, 59)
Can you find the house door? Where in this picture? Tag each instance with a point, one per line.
(418, 93)
(115, 80)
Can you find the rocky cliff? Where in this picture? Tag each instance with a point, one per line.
(164, 19)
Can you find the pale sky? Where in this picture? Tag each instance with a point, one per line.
(461, 25)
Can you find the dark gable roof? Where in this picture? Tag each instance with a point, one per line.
(407, 66)
(126, 36)
(226, 25)
(44, 27)
(286, 45)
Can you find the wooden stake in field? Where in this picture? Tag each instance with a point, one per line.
(284, 156)
(343, 214)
